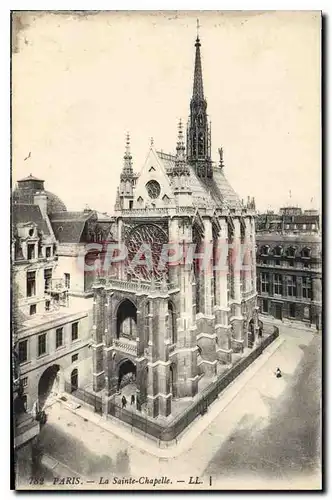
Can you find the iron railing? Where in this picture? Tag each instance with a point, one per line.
(87, 397)
(170, 432)
(199, 407)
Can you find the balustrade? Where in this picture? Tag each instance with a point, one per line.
(126, 345)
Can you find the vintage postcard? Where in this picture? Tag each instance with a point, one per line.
(166, 250)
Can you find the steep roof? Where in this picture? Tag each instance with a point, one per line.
(68, 226)
(23, 213)
(216, 191)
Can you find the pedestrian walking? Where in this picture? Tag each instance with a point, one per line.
(124, 402)
(132, 401)
(278, 373)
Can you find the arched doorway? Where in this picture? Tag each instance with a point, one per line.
(74, 380)
(126, 373)
(172, 322)
(126, 319)
(48, 384)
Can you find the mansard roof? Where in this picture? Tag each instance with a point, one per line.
(24, 213)
(68, 226)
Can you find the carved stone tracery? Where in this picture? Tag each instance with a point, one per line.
(154, 237)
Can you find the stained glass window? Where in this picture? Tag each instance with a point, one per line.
(153, 189)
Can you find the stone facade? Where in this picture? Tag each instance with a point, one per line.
(173, 325)
(51, 335)
(289, 266)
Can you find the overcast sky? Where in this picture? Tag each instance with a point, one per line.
(81, 82)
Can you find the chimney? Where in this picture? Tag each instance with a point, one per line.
(40, 199)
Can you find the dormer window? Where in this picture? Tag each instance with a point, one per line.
(291, 252)
(31, 231)
(140, 200)
(265, 250)
(48, 252)
(306, 253)
(278, 251)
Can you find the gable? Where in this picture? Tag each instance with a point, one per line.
(153, 188)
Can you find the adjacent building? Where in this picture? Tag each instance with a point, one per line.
(289, 265)
(82, 239)
(51, 331)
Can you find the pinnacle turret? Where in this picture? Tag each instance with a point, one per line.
(180, 160)
(127, 170)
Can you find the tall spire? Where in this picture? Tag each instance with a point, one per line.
(199, 133)
(198, 76)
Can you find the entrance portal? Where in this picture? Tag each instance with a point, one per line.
(48, 384)
(126, 374)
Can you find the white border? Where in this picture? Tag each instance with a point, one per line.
(5, 156)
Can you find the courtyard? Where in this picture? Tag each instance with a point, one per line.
(265, 435)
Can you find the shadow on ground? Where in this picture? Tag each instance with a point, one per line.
(289, 443)
(68, 450)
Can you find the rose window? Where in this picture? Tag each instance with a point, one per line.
(149, 240)
(153, 189)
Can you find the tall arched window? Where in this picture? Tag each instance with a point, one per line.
(197, 240)
(126, 319)
(231, 258)
(171, 322)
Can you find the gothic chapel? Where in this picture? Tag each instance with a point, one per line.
(174, 327)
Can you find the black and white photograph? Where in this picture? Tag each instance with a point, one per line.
(166, 250)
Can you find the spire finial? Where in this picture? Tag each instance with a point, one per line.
(180, 130)
(151, 141)
(198, 78)
(128, 143)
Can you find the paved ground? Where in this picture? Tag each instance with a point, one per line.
(266, 436)
(285, 443)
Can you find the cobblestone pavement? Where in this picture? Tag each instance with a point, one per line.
(268, 433)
